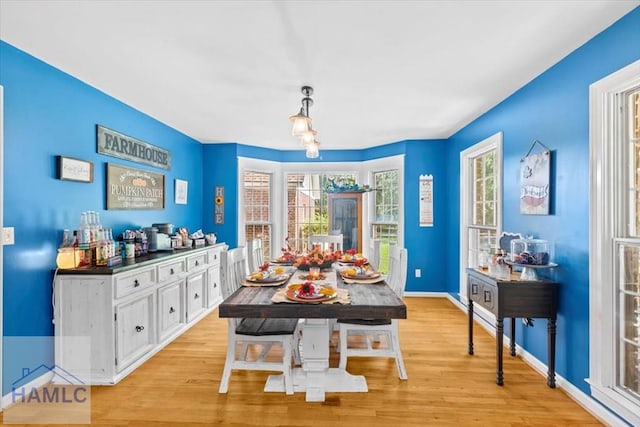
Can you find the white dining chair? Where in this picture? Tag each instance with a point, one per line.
(250, 332)
(374, 253)
(326, 241)
(255, 254)
(371, 330)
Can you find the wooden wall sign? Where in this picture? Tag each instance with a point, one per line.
(119, 145)
(134, 189)
(218, 210)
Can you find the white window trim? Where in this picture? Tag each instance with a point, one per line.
(605, 220)
(494, 142)
(275, 209)
(278, 200)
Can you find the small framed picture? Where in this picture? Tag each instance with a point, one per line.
(71, 169)
(181, 192)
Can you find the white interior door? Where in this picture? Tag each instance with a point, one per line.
(1, 225)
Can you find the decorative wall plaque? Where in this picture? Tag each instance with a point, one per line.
(218, 213)
(131, 189)
(119, 145)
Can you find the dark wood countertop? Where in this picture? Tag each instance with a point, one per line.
(141, 261)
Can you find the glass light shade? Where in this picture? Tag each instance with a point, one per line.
(313, 150)
(301, 124)
(308, 137)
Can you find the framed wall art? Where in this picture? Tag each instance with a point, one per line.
(134, 189)
(181, 192)
(535, 184)
(71, 169)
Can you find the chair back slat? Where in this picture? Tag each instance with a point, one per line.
(255, 254)
(326, 242)
(374, 253)
(233, 264)
(397, 276)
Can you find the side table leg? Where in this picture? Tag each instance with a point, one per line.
(551, 352)
(512, 344)
(470, 313)
(499, 333)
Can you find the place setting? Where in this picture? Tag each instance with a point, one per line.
(268, 276)
(361, 272)
(309, 292)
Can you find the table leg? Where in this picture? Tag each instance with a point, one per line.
(512, 344)
(470, 314)
(551, 352)
(499, 333)
(315, 378)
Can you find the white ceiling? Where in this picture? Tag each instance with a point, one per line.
(231, 71)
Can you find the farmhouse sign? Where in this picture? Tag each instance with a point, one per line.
(129, 188)
(119, 145)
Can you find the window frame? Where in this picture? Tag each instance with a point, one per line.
(494, 142)
(279, 172)
(607, 213)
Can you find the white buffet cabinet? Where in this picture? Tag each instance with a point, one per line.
(131, 312)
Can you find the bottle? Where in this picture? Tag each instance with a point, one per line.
(102, 249)
(84, 235)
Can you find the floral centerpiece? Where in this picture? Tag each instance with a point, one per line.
(360, 268)
(316, 258)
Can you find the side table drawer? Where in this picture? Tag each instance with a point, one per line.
(483, 293)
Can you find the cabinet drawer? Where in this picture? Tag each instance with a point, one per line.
(196, 262)
(171, 271)
(128, 283)
(170, 308)
(214, 258)
(135, 330)
(214, 291)
(195, 295)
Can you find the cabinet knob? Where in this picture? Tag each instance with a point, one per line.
(139, 328)
(197, 262)
(172, 310)
(171, 271)
(136, 283)
(215, 284)
(196, 296)
(215, 256)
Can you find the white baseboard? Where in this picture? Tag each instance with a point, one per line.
(37, 383)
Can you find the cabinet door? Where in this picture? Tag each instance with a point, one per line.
(345, 215)
(135, 330)
(170, 308)
(195, 295)
(214, 293)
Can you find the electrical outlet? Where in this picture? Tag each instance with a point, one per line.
(7, 236)
(418, 273)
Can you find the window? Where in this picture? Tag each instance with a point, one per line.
(480, 219)
(614, 245)
(386, 213)
(307, 211)
(257, 208)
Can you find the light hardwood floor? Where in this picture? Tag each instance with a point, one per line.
(446, 386)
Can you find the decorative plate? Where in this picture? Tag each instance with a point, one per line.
(270, 279)
(322, 276)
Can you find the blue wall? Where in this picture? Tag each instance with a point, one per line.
(554, 109)
(48, 113)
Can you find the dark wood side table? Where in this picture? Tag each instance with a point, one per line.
(514, 298)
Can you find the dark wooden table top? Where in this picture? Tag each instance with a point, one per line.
(376, 301)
